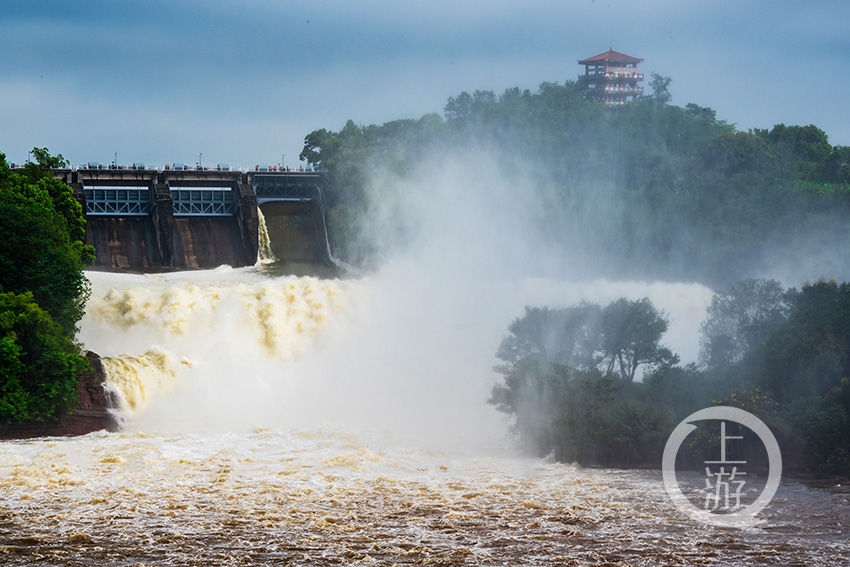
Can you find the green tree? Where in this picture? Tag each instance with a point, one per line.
(40, 172)
(584, 414)
(349, 160)
(42, 291)
(838, 169)
(808, 146)
(660, 90)
(827, 435)
(807, 370)
(39, 363)
(37, 250)
(559, 393)
(46, 161)
(740, 319)
(566, 336)
(631, 336)
(541, 350)
(598, 423)
(468, 111)
(808, 355)
(540, 355)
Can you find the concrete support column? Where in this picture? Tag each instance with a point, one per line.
(163, 218)
(247, 217)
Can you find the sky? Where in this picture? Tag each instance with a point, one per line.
(242, 83)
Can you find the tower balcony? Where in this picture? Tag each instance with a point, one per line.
(624, 75)
(626, 89)
(613, 74)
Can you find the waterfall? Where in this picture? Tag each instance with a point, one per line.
(233, 347)
(265, 255)
(210, 344)
(136, 381)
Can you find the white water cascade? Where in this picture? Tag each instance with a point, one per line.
(234, 349)
(265, 255)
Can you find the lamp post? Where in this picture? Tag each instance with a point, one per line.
(200, 165)
(115, 160)
(282, 163)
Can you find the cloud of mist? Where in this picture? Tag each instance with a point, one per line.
(411, 348)
(796, 254)
(463, 251)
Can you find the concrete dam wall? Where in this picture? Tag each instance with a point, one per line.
(143, 220)
(128, 243)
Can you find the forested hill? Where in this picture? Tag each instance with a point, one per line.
(648, 190)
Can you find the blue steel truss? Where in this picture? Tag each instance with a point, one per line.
(203, 201)
(285, 187)
(117, 201)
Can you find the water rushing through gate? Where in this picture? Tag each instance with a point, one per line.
(321, 422)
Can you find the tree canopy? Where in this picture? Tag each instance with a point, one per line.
(39, 363)
(42, 247)
(42, 290)
(739, 319)
(781, 354)
(647, 190)
(631, 333)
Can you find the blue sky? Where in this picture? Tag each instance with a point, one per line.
(160, 81)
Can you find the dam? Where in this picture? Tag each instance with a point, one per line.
(144, 219)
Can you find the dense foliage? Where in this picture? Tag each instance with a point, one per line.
(39, 364)
(783, 355)
(648, 190)
(42, 290)
(563, 367)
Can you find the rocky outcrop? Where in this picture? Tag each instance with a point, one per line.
(92, 412)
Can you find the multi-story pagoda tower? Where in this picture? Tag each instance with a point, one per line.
(611, 77)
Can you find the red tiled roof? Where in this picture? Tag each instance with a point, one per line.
(611, 55)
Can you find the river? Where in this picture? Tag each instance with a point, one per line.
(302, 421)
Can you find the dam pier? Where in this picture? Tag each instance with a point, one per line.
(179, 218)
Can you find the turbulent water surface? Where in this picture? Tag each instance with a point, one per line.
(295, 421)
(326, 497)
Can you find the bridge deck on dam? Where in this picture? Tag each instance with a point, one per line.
(193, 192)
(144, 219)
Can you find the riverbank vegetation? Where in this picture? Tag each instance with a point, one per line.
(42, 291)
(781, 354)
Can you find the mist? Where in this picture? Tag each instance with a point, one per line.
(407, 350)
